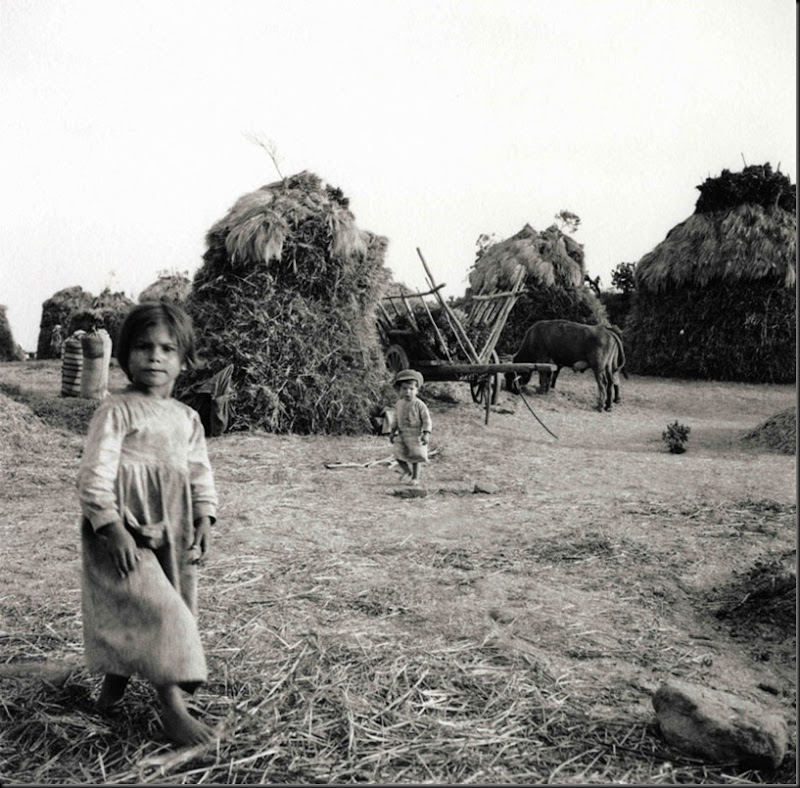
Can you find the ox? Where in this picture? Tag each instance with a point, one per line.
(575, 345)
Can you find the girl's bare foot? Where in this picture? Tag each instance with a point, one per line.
(112, 691)
(179, 725)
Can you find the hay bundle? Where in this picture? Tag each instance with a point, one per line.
(287, 293)
(9, 350)
(56, 311)
(716, 299)
(173, 287)
(778, 433)
(554, 279)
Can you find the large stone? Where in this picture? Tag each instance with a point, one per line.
(719, 727)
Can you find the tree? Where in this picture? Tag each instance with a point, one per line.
(566, 220)
(622, 277)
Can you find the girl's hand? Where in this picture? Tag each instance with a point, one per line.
(202, 539)
(121, 547)
(424, 438)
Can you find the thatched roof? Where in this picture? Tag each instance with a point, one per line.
(746, 243)
(550, 258)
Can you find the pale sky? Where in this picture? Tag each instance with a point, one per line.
(124, 131)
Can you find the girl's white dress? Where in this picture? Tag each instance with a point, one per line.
(145, 461)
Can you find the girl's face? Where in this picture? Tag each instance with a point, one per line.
(408, 389)
(155, 361)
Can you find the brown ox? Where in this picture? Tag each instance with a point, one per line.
(575, 345)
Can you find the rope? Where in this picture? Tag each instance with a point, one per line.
(534, 415)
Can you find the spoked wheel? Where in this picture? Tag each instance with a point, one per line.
(479, 385)
(396, 359)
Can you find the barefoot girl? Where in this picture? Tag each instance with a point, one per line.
(148, 501)
(412, 426)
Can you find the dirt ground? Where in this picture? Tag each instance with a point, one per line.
(600, 555)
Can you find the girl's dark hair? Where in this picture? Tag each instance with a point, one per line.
(155, 313)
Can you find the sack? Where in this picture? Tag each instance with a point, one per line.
(96, 348)
(72, 366)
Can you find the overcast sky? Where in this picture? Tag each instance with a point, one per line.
(125, 124)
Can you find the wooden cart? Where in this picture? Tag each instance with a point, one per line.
(487, 313)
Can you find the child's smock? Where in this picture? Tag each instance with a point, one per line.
(412, 419)
(145, 462)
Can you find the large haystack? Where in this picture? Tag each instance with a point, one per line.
(172, 286)
(554, 279)
(287, 293)
(9, 350)
(717, 298)
(56, 311)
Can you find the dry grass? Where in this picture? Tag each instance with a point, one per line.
(778, 433)
(353, 637)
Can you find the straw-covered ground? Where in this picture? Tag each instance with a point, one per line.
(512, 636)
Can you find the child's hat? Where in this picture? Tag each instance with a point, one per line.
(408, 374)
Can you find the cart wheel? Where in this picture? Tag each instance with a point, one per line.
(396, 359)
(477, 387)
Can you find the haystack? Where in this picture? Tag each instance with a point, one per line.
(56, 311)
(778, 433)
(554, 278)
(9, 350)
(717, 298)
(173, 287)
(287, 293)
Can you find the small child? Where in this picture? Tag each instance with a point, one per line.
(412, 425)
(148, 501)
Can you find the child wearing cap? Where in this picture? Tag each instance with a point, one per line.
(412, 425)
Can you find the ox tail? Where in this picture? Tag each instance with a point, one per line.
(615, 332)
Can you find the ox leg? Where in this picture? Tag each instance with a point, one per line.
(603, 390)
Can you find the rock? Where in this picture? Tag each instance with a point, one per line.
(718, 726)
(486, 487)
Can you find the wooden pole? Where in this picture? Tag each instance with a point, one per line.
(458, 329)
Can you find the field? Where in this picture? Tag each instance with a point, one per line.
(354, 635)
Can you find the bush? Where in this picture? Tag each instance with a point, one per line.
(676, 436)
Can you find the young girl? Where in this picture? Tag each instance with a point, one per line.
(148, 501)
(412, 425)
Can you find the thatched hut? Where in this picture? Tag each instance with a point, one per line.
(554, 280)
(287, 294)
(9, 349)
(717, 298)
(174, 286)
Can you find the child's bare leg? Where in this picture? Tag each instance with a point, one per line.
(404, 468)
(112, 691)
(414, 473)
(179, 725)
